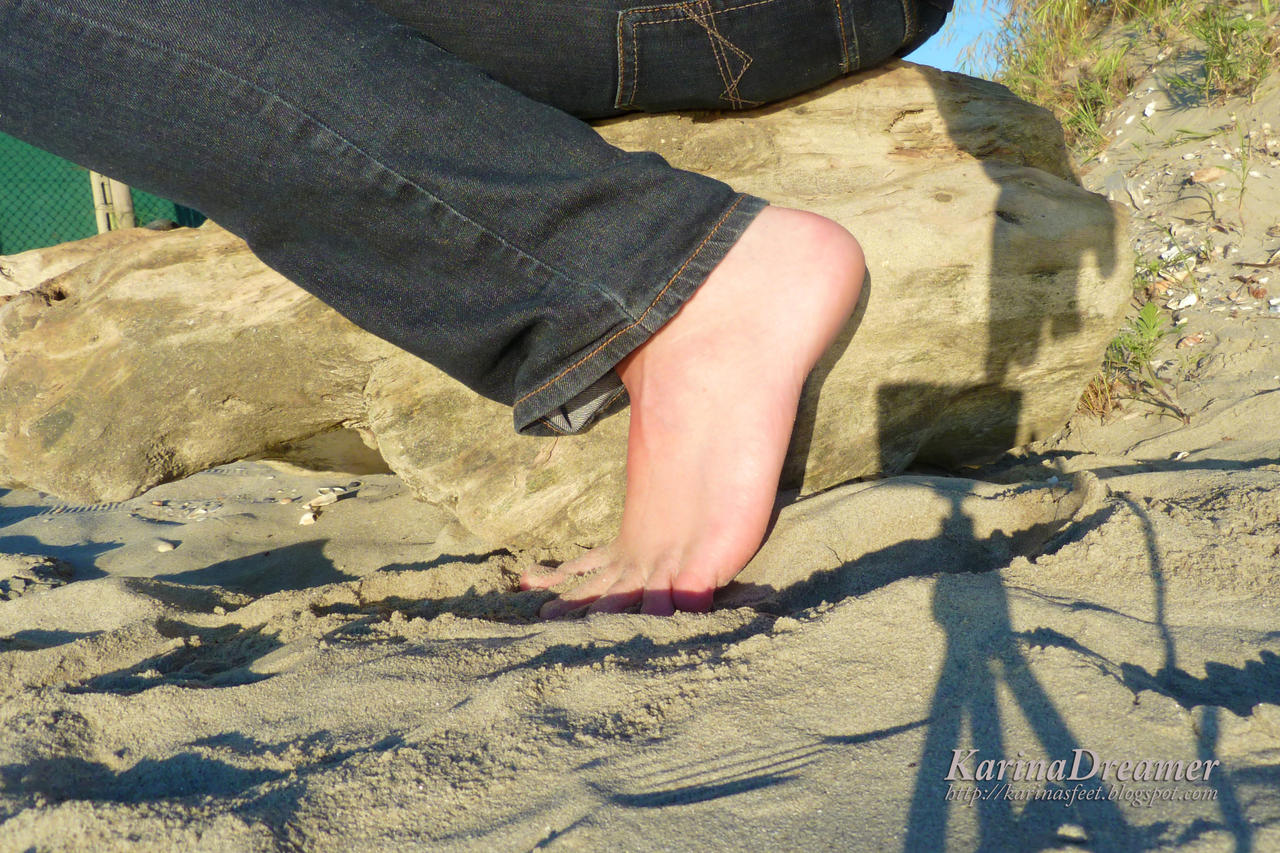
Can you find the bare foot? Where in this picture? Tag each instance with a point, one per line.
(713, 401)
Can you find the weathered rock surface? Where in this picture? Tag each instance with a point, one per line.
(995, 283)
(161, 354)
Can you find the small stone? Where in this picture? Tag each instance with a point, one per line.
(1072, 832)
(286, 500)
(164, 545)
(307, 518)
(157, 503)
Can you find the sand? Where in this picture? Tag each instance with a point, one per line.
(367, 682)
(195, 670)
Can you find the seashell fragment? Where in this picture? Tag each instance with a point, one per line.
(1185, 302)
(1191, 340)
(307, 518)
(1207, 175)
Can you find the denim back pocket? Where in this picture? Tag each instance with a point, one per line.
(738, 54)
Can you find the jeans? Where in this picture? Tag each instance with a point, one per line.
(423, 166)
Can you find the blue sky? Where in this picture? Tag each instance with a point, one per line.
(965, 25)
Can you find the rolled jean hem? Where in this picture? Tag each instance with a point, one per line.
(587, 388)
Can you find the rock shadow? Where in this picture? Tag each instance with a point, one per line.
(302, 565)
(35, 639)
(82, 556)
(14, 514)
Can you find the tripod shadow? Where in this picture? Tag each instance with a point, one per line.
(983, 655)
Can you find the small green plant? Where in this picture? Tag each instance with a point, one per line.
(1128, 361)
(1243, 152)
(1183, 134)
(1135, 346)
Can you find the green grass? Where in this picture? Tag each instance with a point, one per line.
(1053, 53)
(1239, 51)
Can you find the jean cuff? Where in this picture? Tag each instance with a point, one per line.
(588, 388)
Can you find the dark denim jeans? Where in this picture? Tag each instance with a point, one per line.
(422, 165)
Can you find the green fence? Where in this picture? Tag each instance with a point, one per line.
(46, 200)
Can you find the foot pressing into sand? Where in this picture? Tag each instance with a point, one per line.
(713, 402)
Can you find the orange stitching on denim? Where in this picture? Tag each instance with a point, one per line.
(855, 61)
(682, 5)
(635, 63)
(722, 61)
(635, 40)
(639, 319)
(622, 65)
(550, 425)
(718, 45)
(844, 40)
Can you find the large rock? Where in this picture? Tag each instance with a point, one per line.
(995, 283)
(161, 354)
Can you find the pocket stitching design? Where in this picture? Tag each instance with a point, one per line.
(718, 42)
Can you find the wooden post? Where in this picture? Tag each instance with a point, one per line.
(112, 203)
(122, 202)
(101, 201)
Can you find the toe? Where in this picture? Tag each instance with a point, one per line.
(542, 577)
(582, 595)
(657, 602)
(693, 591)
(545, 577)
(626, 591)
